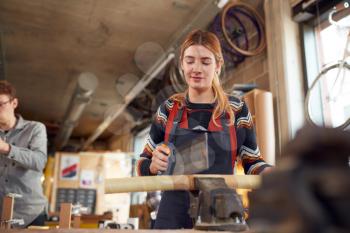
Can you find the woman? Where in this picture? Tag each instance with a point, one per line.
(202, 108)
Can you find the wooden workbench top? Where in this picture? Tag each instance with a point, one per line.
(107, 231)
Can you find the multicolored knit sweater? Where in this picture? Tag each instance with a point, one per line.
(200, 114)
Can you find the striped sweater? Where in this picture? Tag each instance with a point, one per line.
(200, 114)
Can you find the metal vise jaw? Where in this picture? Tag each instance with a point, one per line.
(216, 207)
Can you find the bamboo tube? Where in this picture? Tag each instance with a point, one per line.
(181, 182)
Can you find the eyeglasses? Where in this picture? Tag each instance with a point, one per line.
(4, 103)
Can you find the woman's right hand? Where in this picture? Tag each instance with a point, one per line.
(159, 159)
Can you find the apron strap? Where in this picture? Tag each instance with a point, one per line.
(173, 120)
(214, 127)
(233, 138)
(184, 120)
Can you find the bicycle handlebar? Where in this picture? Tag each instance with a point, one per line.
(335, 10)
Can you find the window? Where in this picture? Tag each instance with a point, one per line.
(331, 44)
(324, 47)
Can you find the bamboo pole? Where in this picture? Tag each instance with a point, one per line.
(181, 182)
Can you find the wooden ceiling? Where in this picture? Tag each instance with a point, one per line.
(46, 44)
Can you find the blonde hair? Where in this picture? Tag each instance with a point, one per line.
(211, 42)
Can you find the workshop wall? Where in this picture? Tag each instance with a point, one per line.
(252, 70)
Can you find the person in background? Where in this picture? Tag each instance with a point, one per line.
(203, 107)
(23, 156)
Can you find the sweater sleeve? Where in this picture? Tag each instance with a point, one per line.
(249, 152)
(34, 156)
(155, 137)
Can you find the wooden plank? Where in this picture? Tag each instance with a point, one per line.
(54, 183)
(110, 230)
(76, 221)
(65, 215)
(181, 182)
(7, 211)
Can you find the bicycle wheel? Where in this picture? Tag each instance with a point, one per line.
(251, 21)
(327, 101)
(231, 57)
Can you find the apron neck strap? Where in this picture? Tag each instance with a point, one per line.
(173, 121)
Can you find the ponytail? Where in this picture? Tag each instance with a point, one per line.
(222, 104)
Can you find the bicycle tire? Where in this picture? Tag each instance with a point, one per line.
(217, 29)
(324, 71)
(258, 22)
(231, 57)
(233, 14)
